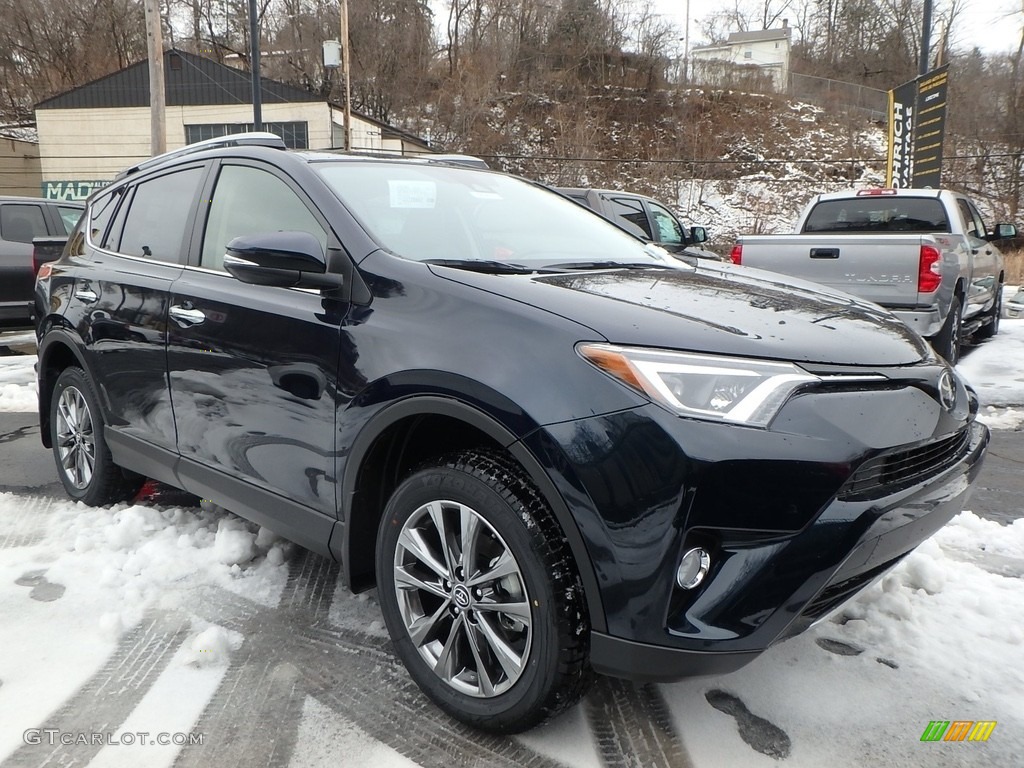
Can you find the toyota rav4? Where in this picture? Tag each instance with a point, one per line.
(550, 448)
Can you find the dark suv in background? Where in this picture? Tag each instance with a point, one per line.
(21, 220)
(646, 218)
(550, 447)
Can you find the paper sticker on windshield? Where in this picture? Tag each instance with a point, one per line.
(412, 194)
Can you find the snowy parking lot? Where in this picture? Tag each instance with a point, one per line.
(160, 633)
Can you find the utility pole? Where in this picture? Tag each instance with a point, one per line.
(157, 100)
(254, 59)
(686, 46)
(926, 32)
(345, 63)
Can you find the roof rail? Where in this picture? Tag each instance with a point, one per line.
(470, 160)
(255, 139)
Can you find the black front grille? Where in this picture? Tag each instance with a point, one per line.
(891, 471)
(836, 594)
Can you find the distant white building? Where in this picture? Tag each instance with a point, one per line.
(89, 134)
(744, 56)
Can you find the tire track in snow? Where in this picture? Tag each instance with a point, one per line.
(292, 651)
(633, 727)
(109, 696)
(27, 526)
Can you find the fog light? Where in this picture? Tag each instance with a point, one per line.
(693, 567)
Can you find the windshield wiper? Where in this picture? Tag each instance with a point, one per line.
(483, 265)
(572, 265)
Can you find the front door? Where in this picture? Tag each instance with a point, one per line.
(253, 368)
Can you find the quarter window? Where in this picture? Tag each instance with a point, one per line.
(156, 221)
(99, 215)
(69, 217)
(251, 201)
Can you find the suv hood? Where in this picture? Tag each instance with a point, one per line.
(718, 309)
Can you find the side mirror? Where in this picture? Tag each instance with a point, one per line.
(283, 259)
(1005, 231)
(698, 234)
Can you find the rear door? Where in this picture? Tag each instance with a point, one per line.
(136, 240)
(253, 368)
(986, 261)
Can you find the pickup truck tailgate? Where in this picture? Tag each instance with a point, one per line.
(879, 268)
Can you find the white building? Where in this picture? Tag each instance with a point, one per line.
(745, 56)
(91, 133)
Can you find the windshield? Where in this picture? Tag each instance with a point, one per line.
(442, 214)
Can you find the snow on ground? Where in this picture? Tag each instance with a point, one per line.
(18, 383)
(939, 638)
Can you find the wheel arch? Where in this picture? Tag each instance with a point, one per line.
(395, 441)
(58, 351)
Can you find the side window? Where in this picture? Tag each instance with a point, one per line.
(155, 224)
(20, 223)
(667, 226)
(69, 217)
(251, 201)
(979, 223)
(630, 211)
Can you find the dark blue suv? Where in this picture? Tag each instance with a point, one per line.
(551, 448)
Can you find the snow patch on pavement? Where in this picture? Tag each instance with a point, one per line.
(18, 383)
(995, 368)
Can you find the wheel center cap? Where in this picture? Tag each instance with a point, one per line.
(461, 596)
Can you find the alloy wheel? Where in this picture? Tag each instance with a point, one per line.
(463, 599)
(76, 438)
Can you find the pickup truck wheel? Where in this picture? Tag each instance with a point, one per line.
(84, 465)
(991, 328)
(481, 595)
(947, 341)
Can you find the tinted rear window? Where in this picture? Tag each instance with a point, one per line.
(20, 223)
(878, 214)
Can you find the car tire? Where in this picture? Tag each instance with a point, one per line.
(84, 464)
(947, 341)
(495, 633)
(991, 328)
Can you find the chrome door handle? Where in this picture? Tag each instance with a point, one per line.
(186, 317)
(84, 294)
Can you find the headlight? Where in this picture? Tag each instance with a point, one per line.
(708, 387)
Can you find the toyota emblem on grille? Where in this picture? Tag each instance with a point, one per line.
(947, 390)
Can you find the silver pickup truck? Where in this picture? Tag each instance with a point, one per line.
(924, 254)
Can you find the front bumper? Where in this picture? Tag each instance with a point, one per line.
(795, 524)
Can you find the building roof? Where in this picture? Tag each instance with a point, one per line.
(190, 80)
(18, 132)
(388, 131)
(783, 33)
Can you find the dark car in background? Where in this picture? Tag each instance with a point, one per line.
(551, 449)
(646, 218)
(21, 220)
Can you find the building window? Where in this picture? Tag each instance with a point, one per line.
(748, 54)
(295, 135)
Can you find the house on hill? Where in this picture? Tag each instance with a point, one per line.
(744, 59)
(89, 134)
